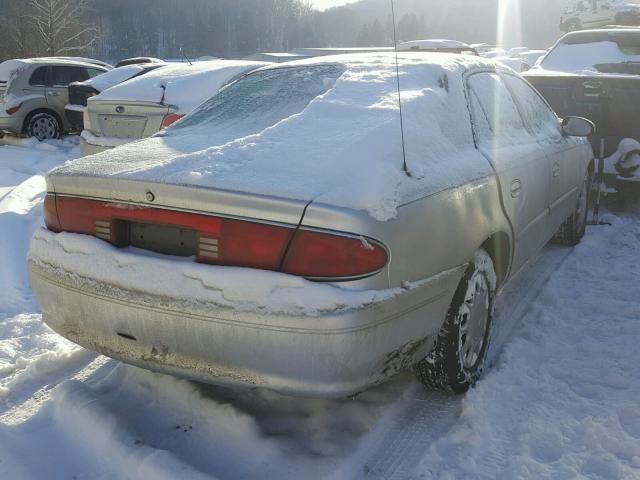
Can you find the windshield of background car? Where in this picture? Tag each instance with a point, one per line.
(596, 52)
(260, 100)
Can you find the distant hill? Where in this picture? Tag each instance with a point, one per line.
(473, 21)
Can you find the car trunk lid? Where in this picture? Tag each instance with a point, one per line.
(212, 226)
(126, 120)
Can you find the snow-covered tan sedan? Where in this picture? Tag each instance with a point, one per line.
(278, 236)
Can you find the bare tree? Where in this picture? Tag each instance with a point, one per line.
(59, 25)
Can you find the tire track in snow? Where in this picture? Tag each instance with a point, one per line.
(422, 416)
(19, 409)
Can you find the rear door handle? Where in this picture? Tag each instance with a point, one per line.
(516, 188)
(556, 170)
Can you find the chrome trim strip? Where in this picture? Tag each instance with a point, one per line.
(212, 241)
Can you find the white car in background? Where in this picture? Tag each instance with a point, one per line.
(589, 14)
(437, 45)
(80, 92)
(143, 106)
(532, 57)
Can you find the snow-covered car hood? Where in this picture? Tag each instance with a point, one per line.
(343, 149)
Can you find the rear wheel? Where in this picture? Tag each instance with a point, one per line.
(458, 357)
(573, 229)
(43, 126)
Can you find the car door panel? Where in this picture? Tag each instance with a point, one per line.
(57, 90)
(561, 151)
(518, 160)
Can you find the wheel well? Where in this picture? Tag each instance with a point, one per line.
(41, 110)
(498, 247)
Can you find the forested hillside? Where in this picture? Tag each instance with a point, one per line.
(117, 29)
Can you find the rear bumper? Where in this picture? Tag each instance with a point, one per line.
(11, 124)
(333, 355)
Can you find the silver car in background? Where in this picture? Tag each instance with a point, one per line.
(386, 263)
(144, 105)
(34, 93)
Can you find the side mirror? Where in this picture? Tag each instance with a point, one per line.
(578, 127)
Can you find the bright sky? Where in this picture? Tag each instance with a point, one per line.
(324, 4)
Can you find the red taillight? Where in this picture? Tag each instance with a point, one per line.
(322, 255)
(226, 241)
(51, 213)
(171, 119)
(221, 241)
(13, 110)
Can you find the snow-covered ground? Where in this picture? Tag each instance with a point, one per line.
(562, 401)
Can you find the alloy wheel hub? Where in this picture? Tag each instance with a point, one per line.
(474, 314)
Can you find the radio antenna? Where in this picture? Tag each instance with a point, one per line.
(185, 57)
(395, 48)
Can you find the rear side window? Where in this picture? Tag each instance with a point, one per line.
(39, 77)
(94, 72)
(63, 76)
(540, 119)
(495, 114)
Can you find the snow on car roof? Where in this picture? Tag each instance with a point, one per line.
(118, 75)
(431, 44)
(341, 148)
(581, 52)
(181, 84)
(64, 61)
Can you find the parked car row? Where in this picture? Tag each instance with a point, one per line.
(80, 92)
(34, 93)
(149, 102)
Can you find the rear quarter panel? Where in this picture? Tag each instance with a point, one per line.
(429, 235)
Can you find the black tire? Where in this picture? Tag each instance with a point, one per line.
(573, 229)
(43, 126)
(458, 358)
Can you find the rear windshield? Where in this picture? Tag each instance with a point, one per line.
(589, 52)
(260, 100)
(9, 70)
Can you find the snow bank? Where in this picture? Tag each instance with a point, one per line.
(22, 170)
(183, 85)
(185, 281)
(563, 400)
(337, 143)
